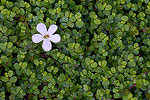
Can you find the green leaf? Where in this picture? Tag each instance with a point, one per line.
(58, 10)
(121, 77)
(124, 18)
(107, 91)
(113, 70)
(146, 1)
(104, 63)
(116, 95)
(146, 82)
(84, 71)
(55, 70)
(65, 19)
(100, 6)
(51, 1)
(4, 11)
(147, 11)
(4, 78)
(2, 46)
(79, 24)
(94, 64)
(13, 79)
(67, 13)
(132, 63)
(9, 5)
(13, 39)
(130, 56)
(16, 65)
(85, 87)
(4, 30)
(90, 94)
(92, 14)
(97, 21)
(126, 27)
(9, 45)
(63, 25)
(51, 11)
(10, 73)
(22, 11)
(60, 96)
(71, 45)
(70, 24)
(87, 61)
(3, 2)
(72, 19)
(0, 61)
(148, 42)
(130, 95)
(147, 64)
(36, 62)
(108, 7)
(28, 71)
(4, 59)
(78, 15)
(24, 65)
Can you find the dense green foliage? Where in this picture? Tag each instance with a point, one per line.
(104, 50)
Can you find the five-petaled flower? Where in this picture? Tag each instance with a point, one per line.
(46, 36)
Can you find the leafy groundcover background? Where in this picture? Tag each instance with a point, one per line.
(104, 50)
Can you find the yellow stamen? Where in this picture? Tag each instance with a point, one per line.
(46, 36)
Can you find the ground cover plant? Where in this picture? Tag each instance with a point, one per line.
(102, 50)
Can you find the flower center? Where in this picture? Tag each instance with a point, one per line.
(46, 36)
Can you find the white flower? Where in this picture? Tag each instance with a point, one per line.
(46, 36)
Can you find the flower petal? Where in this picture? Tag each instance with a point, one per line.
(47, 46)
(52, 29)
(55, 38)
(36, 38)
(41, 28)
